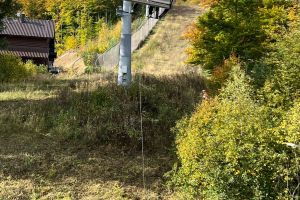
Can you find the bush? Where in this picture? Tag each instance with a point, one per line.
(31, 68)
(291, 124)
(89, 58)
(12, 68)
(290, 133)
(231, 149)
(70, 43)
(41, 69)
(282, 79)
(92, 69)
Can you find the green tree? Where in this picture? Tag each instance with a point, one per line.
(241, 27)
(7, 8)
(34, 8)
(281, 77)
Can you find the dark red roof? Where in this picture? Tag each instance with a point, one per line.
(29, 28)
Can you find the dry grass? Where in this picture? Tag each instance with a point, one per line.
(39, 162)
(36, 164)
(26, 95)
(40, 168)
(164, 52)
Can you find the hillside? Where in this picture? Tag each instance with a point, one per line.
(164, 52)
(63, 138)
(213, 111)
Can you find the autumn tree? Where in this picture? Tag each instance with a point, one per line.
(7, 8)
(241, 27)
(76, 20)
(34, 8)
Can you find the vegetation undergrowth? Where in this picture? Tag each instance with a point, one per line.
(238, 142)
(108, 113)
(235, 145)
(88, 132)
(235, 148)
(12, 68)
(79, 137)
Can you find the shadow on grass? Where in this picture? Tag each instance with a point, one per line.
(93, 135)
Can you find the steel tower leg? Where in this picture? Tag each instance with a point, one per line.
(147, 10)
(124, 75)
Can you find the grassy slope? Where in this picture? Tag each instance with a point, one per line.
(37, 165)
(165, 54)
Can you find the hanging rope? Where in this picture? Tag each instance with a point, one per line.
(141, 123)
(141, 113)
(141, 129)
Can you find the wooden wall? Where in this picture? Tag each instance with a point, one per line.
(43, 48)
(31, 44)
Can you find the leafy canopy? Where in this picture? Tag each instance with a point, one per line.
(241, 27)
(281, 77)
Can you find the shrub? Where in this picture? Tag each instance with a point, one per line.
(70, 43)
(290, 133)
(281, 83)
(31, 68)
(42, 69)
(291, 124)
(230, 149)
(12, 68)
(89, 58)
(92, 69)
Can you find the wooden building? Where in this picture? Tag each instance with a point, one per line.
(30, 39)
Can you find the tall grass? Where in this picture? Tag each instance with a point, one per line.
(106, 113)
